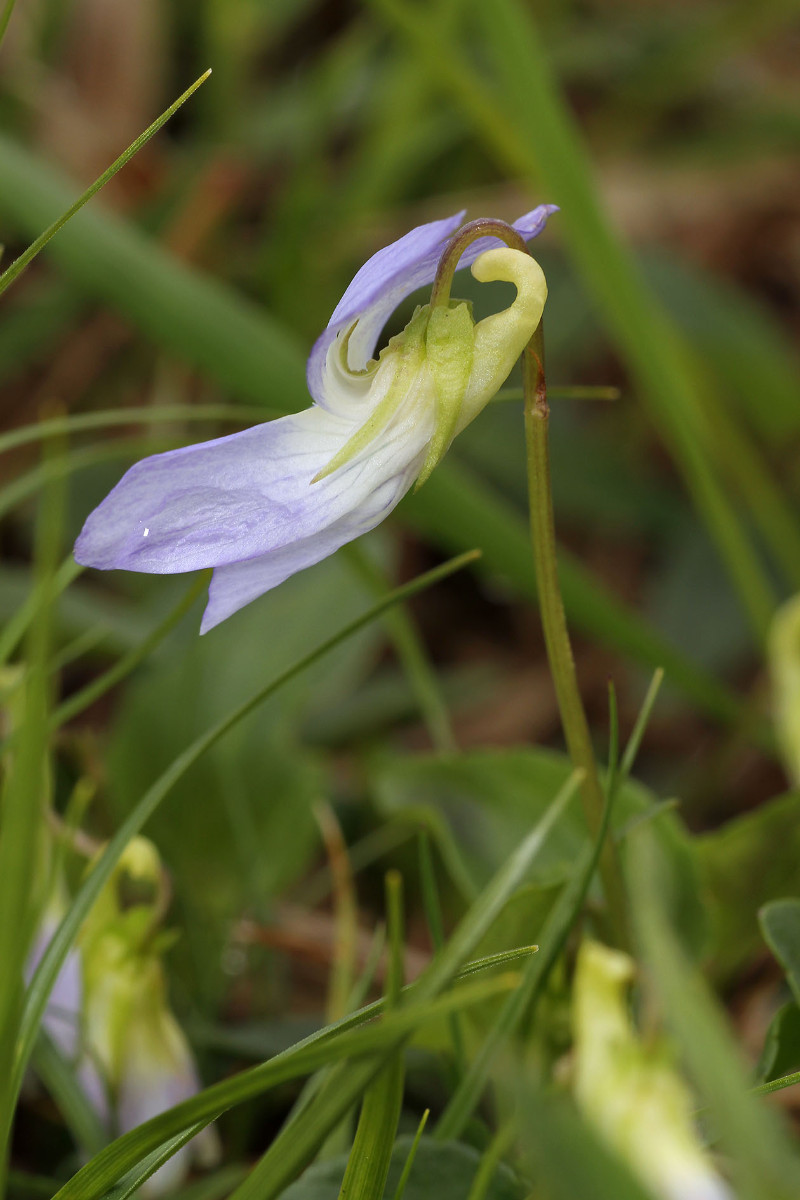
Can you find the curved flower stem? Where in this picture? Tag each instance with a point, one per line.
(556, 636)
(464, 237)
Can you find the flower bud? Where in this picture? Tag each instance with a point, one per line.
(630, 1092)
(783, 651)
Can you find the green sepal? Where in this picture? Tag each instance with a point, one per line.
(449, 344)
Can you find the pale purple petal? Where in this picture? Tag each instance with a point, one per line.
(158, 1073)
(147, 1090)
(230, 499)
(387, 279)
(237, 584)
(62, 1017)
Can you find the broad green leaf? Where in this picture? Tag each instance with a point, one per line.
(781, 1052)
(744, 865)
(490, 797)
(565, 1154)
(441, 1171)
(780, 924)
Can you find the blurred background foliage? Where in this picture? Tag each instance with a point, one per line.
(669, 135)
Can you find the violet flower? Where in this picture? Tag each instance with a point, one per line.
(260, 505)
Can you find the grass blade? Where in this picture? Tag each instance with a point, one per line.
(16, 268)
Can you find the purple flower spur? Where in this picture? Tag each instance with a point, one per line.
(258, 506)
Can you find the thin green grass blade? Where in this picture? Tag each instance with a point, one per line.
(16, 268)
(129, 662)
(776, 1085)
(371, 1153)
(433, 917)
(84, 422)
(412, 1154)
(492, 899)
(368, 1163)
(183, 310)
(15, 630)
(148, 1167)
(642, 721)
(53, 958)
(613, 740)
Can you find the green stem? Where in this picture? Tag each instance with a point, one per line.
(556, 636)
(464, 237)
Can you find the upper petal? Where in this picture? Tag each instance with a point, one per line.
(386, 280)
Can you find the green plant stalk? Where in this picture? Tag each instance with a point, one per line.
(554, 623)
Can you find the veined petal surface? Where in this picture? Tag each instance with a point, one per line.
(237, 497)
